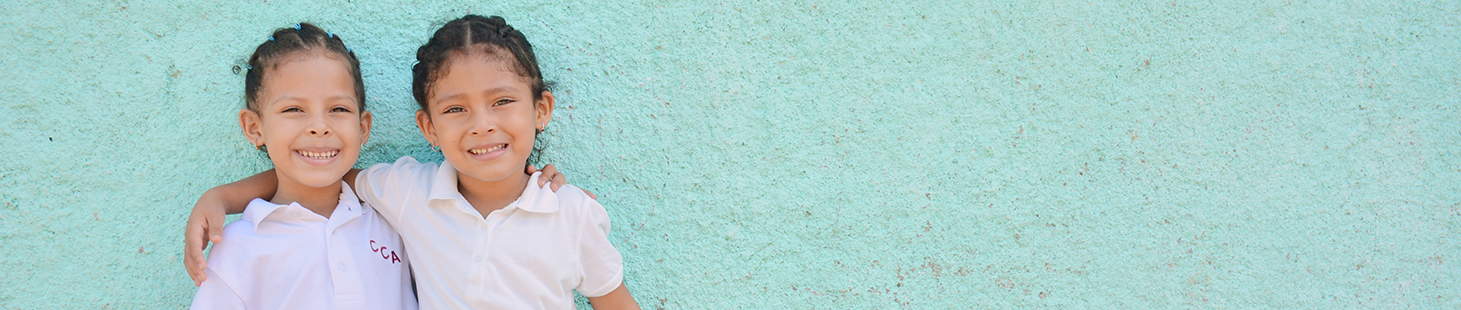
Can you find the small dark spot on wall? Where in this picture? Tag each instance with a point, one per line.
(237, 69)
(52, 139)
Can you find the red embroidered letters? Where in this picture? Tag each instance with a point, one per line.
(391, 256)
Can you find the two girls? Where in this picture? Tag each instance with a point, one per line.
(481, 232)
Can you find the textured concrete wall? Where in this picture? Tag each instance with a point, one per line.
(805, 154)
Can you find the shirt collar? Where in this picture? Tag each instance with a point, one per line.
(533, 199)
(259, 209)
(537, 199)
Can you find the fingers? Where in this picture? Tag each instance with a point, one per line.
(530, 169)
(551, 175)
(193, 242)
(557, 182)
(190, 264)
(196, 272)
(201, 230)
(193, 253)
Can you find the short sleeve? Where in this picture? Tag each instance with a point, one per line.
(215, 294)
(600, 264)
(387, 187)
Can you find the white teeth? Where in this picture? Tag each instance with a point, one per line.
(487, 150)
(319, 155)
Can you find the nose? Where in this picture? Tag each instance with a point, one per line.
(483, 122)
(319, 126)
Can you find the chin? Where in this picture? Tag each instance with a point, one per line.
(319, 180)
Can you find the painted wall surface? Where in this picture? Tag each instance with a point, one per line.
(806, 154)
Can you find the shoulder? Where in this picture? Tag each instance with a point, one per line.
(385, 184)
(371, 217)
(574, 203)
(403, 165)
(231, 257)
(569, 194)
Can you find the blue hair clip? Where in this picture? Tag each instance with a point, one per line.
(271, 38)
(347, 50)
(332, 34)
(250, 67)
(296, 26)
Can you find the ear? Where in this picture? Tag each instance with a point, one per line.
(365, 119)
(250, 122)
(428, 130)
(544, 110)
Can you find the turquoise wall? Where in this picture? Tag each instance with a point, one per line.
(798, 154)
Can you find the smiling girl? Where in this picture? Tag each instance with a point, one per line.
(312, 245)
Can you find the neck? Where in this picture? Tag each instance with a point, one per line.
(321, 200)
(488, 196)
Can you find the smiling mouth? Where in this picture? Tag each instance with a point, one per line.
(480, 151)
(318, 155)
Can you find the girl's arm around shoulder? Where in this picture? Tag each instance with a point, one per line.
(205, 224)
(388, 187)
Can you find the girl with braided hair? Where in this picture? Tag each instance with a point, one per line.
(312, 245)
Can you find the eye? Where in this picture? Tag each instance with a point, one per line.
(454, 110)
(502, 102)
(340, 109)
(292, 109)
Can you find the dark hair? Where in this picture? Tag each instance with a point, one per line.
(288, 41)
(473, 34)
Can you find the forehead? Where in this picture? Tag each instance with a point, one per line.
(474, 73)
(307, 75)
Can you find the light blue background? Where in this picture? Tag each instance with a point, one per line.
(800, 154)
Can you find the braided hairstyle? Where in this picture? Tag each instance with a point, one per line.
(291, 41)
(474, 35)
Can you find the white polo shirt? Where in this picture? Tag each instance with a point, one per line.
(531, 254)
(288, 257)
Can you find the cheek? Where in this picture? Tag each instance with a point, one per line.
(348, 129)
(450, 132)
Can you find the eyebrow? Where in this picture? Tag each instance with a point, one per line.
(342, 97)
(327, 99)
(286, 98)
(489, 91)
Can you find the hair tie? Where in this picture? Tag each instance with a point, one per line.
(250, 67)
(332, 34)
(271, 38)
(296, 26)
(347, 49)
